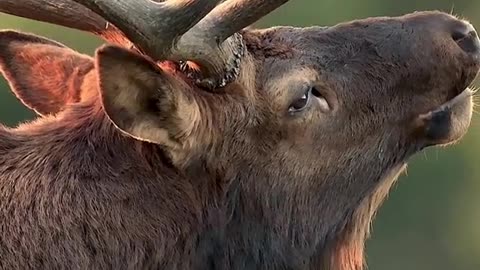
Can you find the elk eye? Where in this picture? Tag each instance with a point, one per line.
(301, 103)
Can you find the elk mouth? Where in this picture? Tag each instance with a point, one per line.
(450, 121)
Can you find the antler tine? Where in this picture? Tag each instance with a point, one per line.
(231, 17)
(65, 13)
(152, 26)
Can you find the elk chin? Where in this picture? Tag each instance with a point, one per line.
(449, 122)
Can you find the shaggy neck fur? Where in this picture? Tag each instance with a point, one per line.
(282, 238)
(346, 251)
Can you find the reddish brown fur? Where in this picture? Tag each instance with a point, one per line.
(145, 171)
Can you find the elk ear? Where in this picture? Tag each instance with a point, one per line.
(43, 75)
(144, 101)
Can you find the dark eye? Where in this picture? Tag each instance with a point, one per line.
(301, 103)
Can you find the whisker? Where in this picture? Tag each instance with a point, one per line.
(474, 89)
(425, 155)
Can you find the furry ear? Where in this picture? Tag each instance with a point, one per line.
(146, 102)
(43, 75)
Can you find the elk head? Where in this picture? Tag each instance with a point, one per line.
(306, 127)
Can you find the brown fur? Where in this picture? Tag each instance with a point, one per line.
(145, 171)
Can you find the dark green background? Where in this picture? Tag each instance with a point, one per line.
(431, 220)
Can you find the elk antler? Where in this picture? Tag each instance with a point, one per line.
(221, 48)
(179, 30)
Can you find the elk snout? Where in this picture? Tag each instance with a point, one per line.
(441, 32)
(457, 56)
(446, 33)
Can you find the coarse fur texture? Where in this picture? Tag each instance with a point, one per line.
(133, 167)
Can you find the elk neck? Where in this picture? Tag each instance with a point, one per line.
(234, 227)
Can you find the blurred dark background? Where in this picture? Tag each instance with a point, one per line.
(431, 220)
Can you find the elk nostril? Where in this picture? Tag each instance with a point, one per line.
(466, 37)
(458, 35)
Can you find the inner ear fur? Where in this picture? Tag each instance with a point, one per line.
(44, 75)
(146, 102)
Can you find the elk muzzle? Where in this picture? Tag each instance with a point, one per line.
(450, 121)
(413, 71)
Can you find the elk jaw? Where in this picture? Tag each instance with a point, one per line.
(450, 121)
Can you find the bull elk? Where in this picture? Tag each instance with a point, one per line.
(193, 142)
